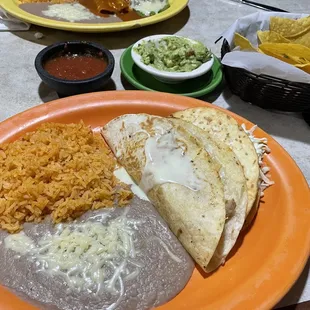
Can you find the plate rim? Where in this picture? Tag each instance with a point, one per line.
(12, 8)
(196, 94)
(40, 113)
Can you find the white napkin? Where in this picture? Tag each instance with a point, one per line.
(263, 64)
(10, 23)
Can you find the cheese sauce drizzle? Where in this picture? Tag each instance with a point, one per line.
(167, 162)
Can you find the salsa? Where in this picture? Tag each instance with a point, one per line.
(75, 67)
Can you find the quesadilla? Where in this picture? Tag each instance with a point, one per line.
(180, 178)
(235, 190)
(224, 128)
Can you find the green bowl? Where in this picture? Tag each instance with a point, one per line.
(196, 87)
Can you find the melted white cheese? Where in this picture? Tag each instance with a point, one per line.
(90, 256)
(20, 243)
(124, 177)
(167, 162)
(165, 246)
(146, 7)
(83, 251)
(71, 12)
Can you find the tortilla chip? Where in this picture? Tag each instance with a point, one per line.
(287, 52)
(289, 28)
(304, 67)
(226, 129)
(243, 43)
(303, 39)
(271, 37)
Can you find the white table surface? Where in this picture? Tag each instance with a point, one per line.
(21, 88)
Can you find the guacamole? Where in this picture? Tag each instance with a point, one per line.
(173, 54)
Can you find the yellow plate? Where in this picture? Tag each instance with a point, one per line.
(11, 6)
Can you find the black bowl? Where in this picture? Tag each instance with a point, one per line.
(69, 87)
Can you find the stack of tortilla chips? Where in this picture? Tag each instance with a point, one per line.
(287, 40)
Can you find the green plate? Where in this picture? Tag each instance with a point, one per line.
(192, 88)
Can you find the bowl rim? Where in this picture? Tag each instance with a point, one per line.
(38, 63)
(203, 69)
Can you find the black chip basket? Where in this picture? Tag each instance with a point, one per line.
(266, 91)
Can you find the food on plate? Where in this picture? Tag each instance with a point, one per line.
(149, 7)
(58, 169)
(201, 140)
(187, 183)
(180, 178)
(287, 40)
(248, 149)
(72, 12)
(173, 54)
(49, 1)
(101, 6)
(112, 258)
(110, 6)
(235, 189)
(94, 11)
(261, 148)
(124, 177)
(226, 129)
(74, 67)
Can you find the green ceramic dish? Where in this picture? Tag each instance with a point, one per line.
(196, 87)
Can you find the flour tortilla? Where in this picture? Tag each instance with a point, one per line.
(235, 190)
(226, 129)
(197, 218)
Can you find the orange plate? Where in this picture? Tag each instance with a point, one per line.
(270, 256)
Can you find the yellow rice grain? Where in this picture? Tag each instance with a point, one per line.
(62, 170)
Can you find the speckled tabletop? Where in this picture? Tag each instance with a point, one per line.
(21, 88)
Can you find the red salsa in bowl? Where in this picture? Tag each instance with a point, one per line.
(75, 67)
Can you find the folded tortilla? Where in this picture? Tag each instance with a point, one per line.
(235, 189)
(180, 178)
(226, 129)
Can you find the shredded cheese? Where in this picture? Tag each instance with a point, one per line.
(90, 255)
(261, 149)
(94, 256)
(165, 246)
(20, 243)
(71, 12)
